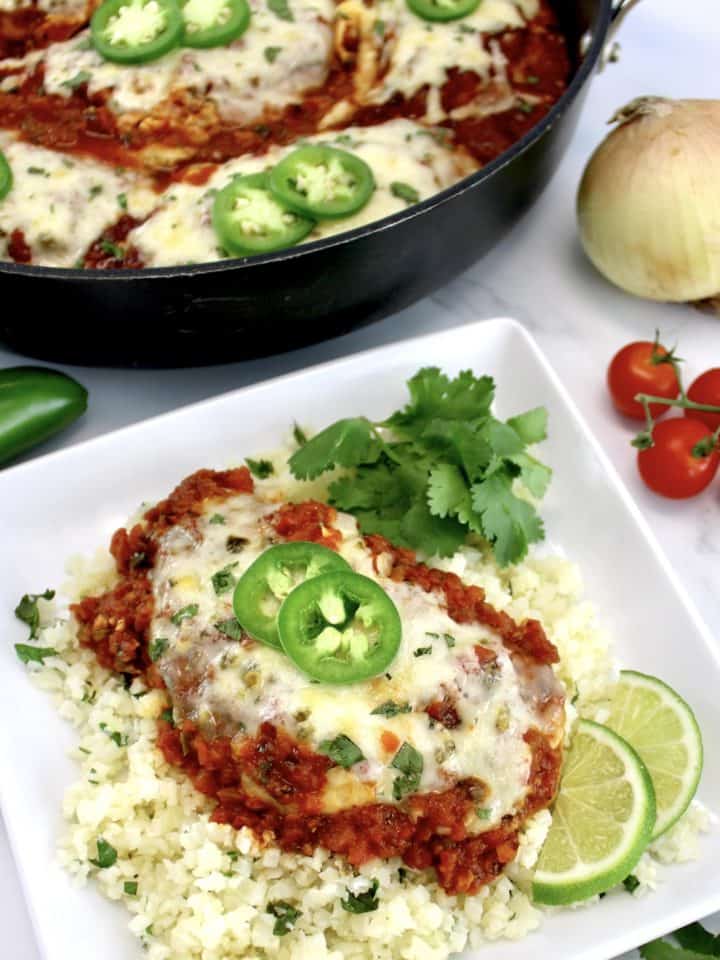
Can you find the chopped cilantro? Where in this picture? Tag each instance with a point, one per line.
(27, 610)
(379, 28)
(422, 651)
(271, 53)
(261, 469)
(235, 544)
(524, 106)
(167, 716)
(362, 902)
(285, 916)
(390, 709)
(231, 628)
(217, 518)
(131, 888)
(122, 201)
(532, 79)
(631, 883)
(95, 190)
(77, 81)
(29, 654)
(106, 855)
(281, 9)
(439, 469)
(299, 434)
(404, 191)
(224, 580)
(341, 751)
(696, 937)
(410, 764)
(38, 171)
(184, 613)
(483, 813)
(119, 739)
(112, 249)
(158, 647)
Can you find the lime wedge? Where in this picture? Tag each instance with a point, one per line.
(603, 818)
(661, 727)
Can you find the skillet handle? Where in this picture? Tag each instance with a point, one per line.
(611, 50)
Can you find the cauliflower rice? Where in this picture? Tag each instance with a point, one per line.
(199, 890)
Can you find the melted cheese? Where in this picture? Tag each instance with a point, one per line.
(238, 685)
(242, 78)
(62, 204)
(398, 151)
(420, 52)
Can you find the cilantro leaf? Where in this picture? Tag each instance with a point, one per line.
(184, 613)
(261, 469)
(341, 751)
(27, 610)
(230, 628)
(631, 883)
(158, 647)
(531, 426)
(106, 855)
(28, 654)
(391, 709)
(347, 443)
(224, 580)
(447, 490)
(696, 937)
(281, 9)
(365, 902)
(662, 950)
(410, 764)
(419, 526)
(509, 523)
(285, 916)
(433, 394)
(436, 470)
(533, 474)
(299, 435)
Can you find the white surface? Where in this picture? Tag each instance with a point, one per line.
(587, 511)
(537, 275)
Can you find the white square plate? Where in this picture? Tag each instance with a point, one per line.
(72, 501)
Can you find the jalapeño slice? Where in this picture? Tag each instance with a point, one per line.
(340, 627)
(6, 177)
(443, 10)
(322, 182)
(136, 31)
(267, 582)
(249, 219)
(213, 23)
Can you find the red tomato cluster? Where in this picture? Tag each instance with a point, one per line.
(677, 457)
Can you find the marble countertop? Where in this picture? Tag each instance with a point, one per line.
(537, 275)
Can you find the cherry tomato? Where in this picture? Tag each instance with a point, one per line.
(639, 368)
(706, 389)
(669, 466)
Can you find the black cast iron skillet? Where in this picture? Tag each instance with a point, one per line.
(246, 308)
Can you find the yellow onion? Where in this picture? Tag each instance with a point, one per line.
(649, 200)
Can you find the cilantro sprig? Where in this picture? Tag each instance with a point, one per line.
(695, 943)
(439, 469)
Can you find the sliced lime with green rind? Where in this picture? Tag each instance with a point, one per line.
(662, 728)
(603, 818)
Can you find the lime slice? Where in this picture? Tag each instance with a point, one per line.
(603, 818)
(661, 727)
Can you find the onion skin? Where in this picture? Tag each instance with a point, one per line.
(649, 201)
